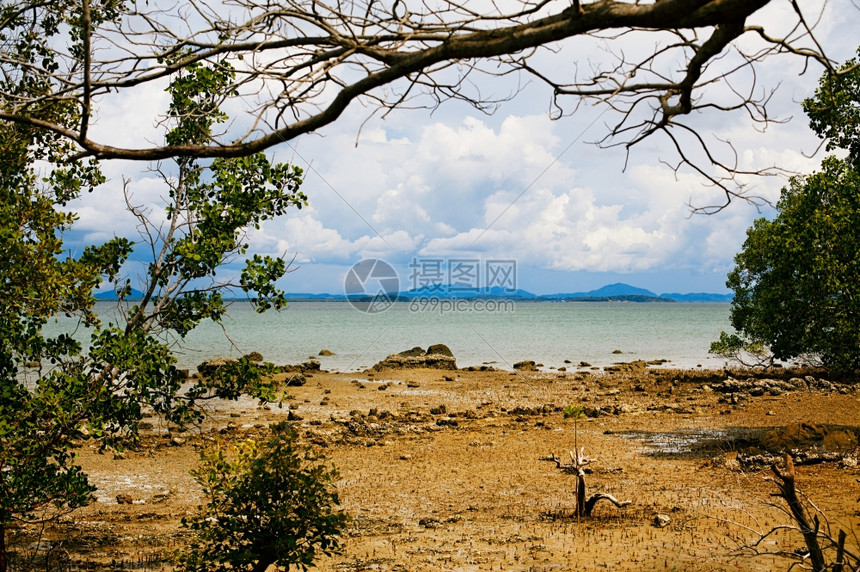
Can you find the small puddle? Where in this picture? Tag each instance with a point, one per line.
(692, 442)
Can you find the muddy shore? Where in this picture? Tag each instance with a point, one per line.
(448, 470)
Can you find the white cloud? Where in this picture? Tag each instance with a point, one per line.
(510, 185)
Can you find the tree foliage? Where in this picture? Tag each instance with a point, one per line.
(269, 502)
(56, 391)
(834, 110)
(297, 65)
(797, 279)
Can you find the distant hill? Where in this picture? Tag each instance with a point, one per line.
(618, 292)
(608, 291)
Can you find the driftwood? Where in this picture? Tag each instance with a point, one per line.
(787, 491)
(577, 467)
(811, 529)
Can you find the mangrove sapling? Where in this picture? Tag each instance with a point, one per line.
(577, 465)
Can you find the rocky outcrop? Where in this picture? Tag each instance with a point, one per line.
(255, 357)
(210, 366)
(437, 356)
(758, 387)
(439, 349)
(310, 366)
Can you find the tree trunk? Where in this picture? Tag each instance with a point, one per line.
(809, 531)
(3, 560)
(580, 495)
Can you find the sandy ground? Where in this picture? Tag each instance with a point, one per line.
(467, 489)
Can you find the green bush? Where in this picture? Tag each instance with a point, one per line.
(269, 502)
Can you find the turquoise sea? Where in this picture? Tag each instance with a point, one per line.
(500, 335)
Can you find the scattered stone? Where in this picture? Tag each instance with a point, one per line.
(255, 357)
(209, 367)
(661, 520)
(124, 498)
(293, 416)
(177, 441)
(731, 461)
(325, 352)
(412, 384)
(384, 386)
(440, 410)
(527, 365)
(296, 379)
(617, 351)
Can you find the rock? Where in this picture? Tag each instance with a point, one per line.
(124, 498)
(617, 351)
(429, 523)
(416, 358)
(440, 410)
(731, 461)
(584, 364)
(177, 441)
(527, 365)
(295, 379)
(325, 352)
(439, 349)
(414, 352)
(310, 366)
(255, 357)
(209, 367)
(661, 521)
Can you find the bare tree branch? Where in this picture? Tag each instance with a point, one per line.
(299, 64)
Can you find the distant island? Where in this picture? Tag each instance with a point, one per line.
(618, 292)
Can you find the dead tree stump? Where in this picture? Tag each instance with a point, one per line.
(577, 467)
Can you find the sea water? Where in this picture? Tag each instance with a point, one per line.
(499, 333)
(505, 333)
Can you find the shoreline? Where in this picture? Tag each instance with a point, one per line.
(445, 469)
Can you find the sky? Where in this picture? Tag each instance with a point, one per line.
(457, 184)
